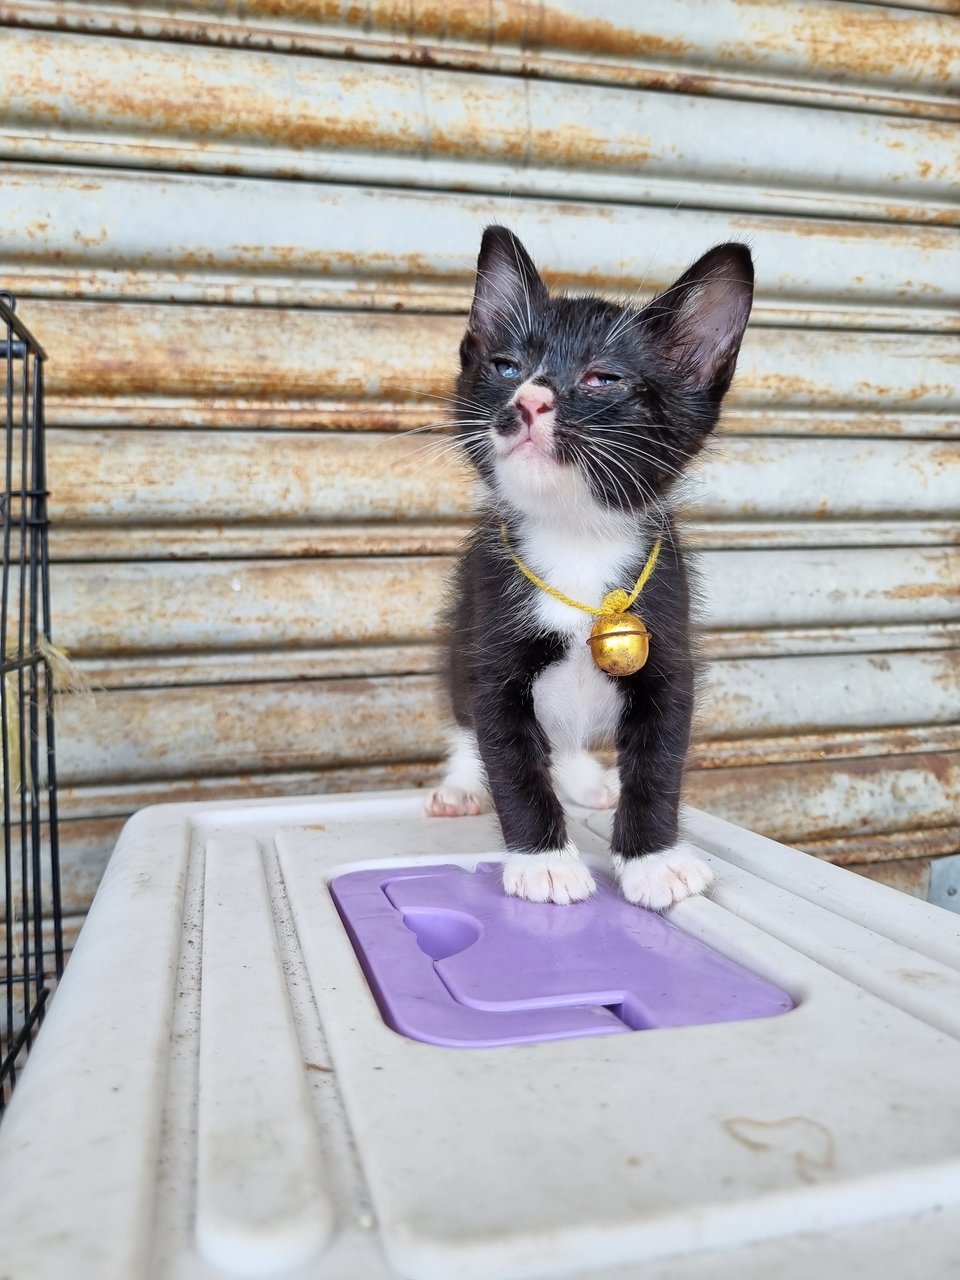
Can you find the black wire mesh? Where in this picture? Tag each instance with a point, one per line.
(31, 933)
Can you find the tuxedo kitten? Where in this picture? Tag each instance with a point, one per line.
(579, 416)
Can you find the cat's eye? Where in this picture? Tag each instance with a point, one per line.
(598, 378)
(507, 368)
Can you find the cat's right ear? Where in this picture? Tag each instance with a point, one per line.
(509, 290)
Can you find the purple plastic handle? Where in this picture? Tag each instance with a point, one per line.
(453, 961)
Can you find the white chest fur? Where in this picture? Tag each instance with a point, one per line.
(576, 704)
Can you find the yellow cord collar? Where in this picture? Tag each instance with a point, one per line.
(618, 601)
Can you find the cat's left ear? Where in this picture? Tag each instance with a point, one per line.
(699, 321)
(509, 289)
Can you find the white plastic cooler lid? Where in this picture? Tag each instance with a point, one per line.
(214, 1092)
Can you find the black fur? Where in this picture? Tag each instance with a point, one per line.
(675, 359)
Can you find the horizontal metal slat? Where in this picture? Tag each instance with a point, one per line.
(278, 541)
(189, 732)
(117, 798)
(183, 732)
(863, 798)
(823, 745)
(265, 415)
(147, 476)
(803, 50)
(121, 799)
(157, 477)
(136, 355)
(746, 697)
(916, 844)
(822, 478)
(246, 666)
(760, 589)
(170, 607)
(268, 665)
(133, 235)
(74, 98)
(909, 875)
(111, 799)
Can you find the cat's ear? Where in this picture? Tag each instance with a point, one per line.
(509, 289)
(699, 321)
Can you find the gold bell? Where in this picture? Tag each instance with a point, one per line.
(620, 643)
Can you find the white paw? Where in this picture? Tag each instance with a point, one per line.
(451, 802)
(658, 880)
(558, 876)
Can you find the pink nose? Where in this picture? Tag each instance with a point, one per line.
(533, 402)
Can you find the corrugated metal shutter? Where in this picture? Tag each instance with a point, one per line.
(246, 233)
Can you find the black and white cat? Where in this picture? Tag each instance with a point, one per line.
(579, 416)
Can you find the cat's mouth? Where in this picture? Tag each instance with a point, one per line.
(528, 444)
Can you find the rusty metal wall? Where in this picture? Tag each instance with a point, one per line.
(246, 231)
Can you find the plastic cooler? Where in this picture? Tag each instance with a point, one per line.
(312, 1039)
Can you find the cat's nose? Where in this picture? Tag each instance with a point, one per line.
(533, 401)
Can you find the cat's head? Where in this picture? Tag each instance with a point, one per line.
(576, 404)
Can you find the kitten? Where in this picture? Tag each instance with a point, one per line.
(579, 416)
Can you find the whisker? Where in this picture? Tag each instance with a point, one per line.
(619, 491)
(427, 395)
(612, 465)
(616, 453)
(641, 453)
(632, 435)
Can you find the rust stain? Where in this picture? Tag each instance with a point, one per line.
(868, 44)
(921, 977)
(115, 477)
(563, 30)
(925, 239)
(202, 351)
(817, 795)
(532, 27)
(162, 91)
(858, 40)
(908, 394)
(92, 240)
(534, 40)
(942, 767)
(808, 1143)
(909, 875)
(884, 847)
(786, 387)
(924, 591)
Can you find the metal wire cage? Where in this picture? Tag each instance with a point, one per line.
(31, 931)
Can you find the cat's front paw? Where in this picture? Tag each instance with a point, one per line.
(452, 802)
(658, 880)
(559, 876)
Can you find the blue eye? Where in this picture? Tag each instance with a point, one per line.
(596, 378)
(506, 368)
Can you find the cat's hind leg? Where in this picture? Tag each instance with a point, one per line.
(583, 780)
(463, 791)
